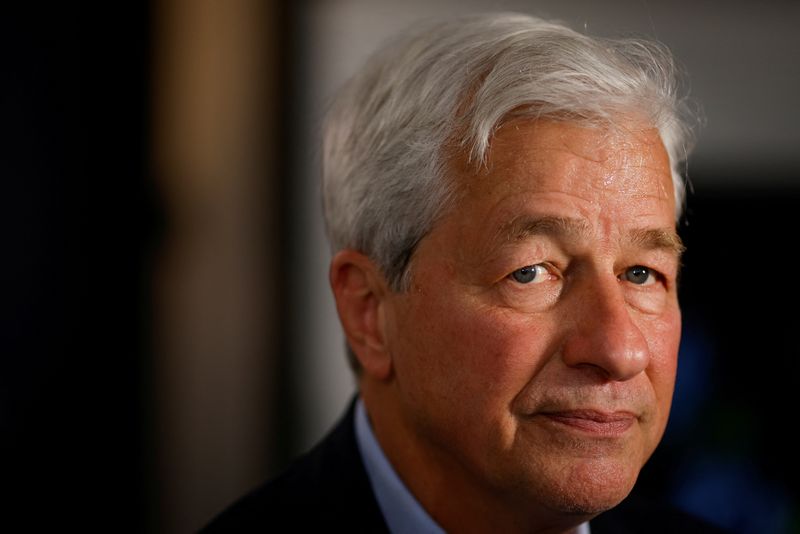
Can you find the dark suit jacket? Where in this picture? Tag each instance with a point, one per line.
(328, 489)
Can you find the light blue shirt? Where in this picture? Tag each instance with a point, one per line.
(402, 512)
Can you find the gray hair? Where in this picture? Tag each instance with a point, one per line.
(446, 87)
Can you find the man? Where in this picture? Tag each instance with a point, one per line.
(501, 195)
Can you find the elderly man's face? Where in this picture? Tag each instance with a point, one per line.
(534, 354)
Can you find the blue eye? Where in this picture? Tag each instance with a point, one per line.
(530, 274)
(639, 275)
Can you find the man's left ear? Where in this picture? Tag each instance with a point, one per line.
(360, 291)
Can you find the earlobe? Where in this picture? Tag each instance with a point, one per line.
(360, 290)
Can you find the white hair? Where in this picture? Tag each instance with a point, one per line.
(444, 88)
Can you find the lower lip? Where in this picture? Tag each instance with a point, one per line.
(603, 428)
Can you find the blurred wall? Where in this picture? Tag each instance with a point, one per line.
(44, 315)
(215, 101)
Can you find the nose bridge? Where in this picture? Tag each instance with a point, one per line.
(605, 334)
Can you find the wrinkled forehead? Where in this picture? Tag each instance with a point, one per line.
(608, 183)
(621, 150)
(595, 139)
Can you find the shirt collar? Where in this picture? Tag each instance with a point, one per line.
(402, 511)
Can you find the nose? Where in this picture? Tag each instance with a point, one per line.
(603, 332)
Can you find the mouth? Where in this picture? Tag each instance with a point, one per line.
(594, 422)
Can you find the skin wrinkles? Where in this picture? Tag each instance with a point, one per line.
(614, 146)
(523, 227)
(476, 413)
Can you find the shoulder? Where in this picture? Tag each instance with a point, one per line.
(327, 487)
(636, 514)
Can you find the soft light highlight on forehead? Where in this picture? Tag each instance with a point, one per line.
(630, 162)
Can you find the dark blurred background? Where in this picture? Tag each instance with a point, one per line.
(168, 339)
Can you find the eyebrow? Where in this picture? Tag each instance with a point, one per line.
(657, 238)
(524, 227)
(574, 229)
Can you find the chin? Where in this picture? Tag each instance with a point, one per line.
(590, 488)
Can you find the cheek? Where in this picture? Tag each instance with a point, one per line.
(483, 354)
(665, 338)
(665, 341)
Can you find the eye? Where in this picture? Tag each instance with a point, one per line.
(532, 274)
(640, 275)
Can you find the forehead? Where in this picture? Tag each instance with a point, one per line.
(604, 166)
